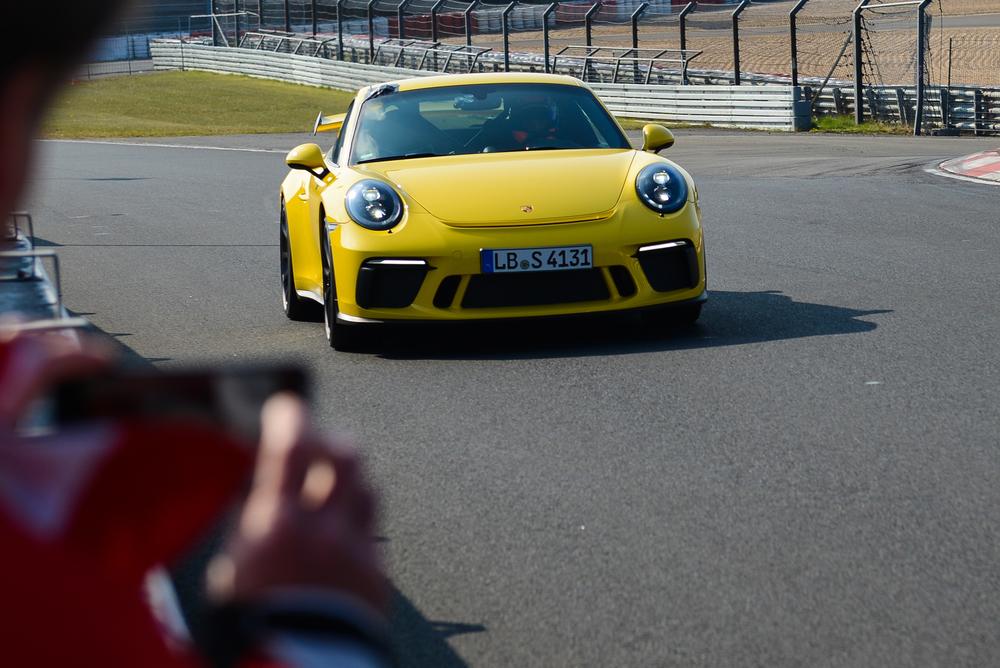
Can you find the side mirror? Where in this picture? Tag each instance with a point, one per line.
(308, 157)
(655, 138)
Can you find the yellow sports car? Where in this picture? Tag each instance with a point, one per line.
(483, 196)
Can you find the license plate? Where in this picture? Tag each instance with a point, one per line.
(558, 258)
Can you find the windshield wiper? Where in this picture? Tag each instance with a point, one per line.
(399, 157)
(547, 148)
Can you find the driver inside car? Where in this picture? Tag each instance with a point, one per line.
(530, 123)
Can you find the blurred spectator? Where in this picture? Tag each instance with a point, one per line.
(85, 516)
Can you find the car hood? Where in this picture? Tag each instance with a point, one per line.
(517, 188)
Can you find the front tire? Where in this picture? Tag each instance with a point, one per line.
(295, 307)
(342, 337)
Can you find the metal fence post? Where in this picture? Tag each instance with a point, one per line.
(400, 22)
(215, 37)
(588, 19)
(313, 9)
(340, 29)
(635, 24)
(918, 116)
(434, 20)
(288, 18)
(682, 21)
(506, 35)
(873, 103)
(736, 40)
(236, 18)
(793, 40)
(949, 62)
(545, 32)
(371, 31)
(859, 110)
(468, 22)
(977, 106)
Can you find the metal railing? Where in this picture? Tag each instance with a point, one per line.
(20, 264)
(220, 34)
(21, 227)
(277, 42)
(589, 58)
(438, 57)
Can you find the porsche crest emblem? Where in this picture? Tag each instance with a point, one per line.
(527, 208)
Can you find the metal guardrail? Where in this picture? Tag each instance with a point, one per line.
(767, 107)
(15, 227)
(759, 107)
(19, 236)
(21, 228)
(959, 108)
(174, 54)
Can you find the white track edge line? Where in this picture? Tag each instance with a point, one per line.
(959, 177)
(188, 146)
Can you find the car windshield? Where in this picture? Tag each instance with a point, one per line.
(487, 118)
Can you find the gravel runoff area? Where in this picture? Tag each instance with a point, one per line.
(964, 32)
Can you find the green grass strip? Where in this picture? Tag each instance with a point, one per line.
(173, 104)
(846, 125)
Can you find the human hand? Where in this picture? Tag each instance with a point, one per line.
(308, 522)
(31, 363)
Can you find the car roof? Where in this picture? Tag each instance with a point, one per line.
(439, 81)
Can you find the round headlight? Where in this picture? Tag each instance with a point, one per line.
(662, 188)
(373, 204)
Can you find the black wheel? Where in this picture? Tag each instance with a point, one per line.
(342, 337)
(295, 307)
(674, 317)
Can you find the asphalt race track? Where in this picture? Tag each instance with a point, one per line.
(807, 478)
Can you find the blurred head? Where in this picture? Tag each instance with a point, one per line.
(52, 41)
(534, 116)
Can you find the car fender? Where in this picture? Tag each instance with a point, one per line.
(297, 191)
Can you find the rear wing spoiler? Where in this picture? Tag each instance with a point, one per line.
(328, 123)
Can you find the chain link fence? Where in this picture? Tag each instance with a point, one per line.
(957, 49)
(811, 43)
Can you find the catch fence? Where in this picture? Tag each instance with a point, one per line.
(762, 28)
(821, 45)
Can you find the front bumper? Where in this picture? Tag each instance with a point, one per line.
(425, 270)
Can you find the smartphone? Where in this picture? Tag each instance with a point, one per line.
(229, 397)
